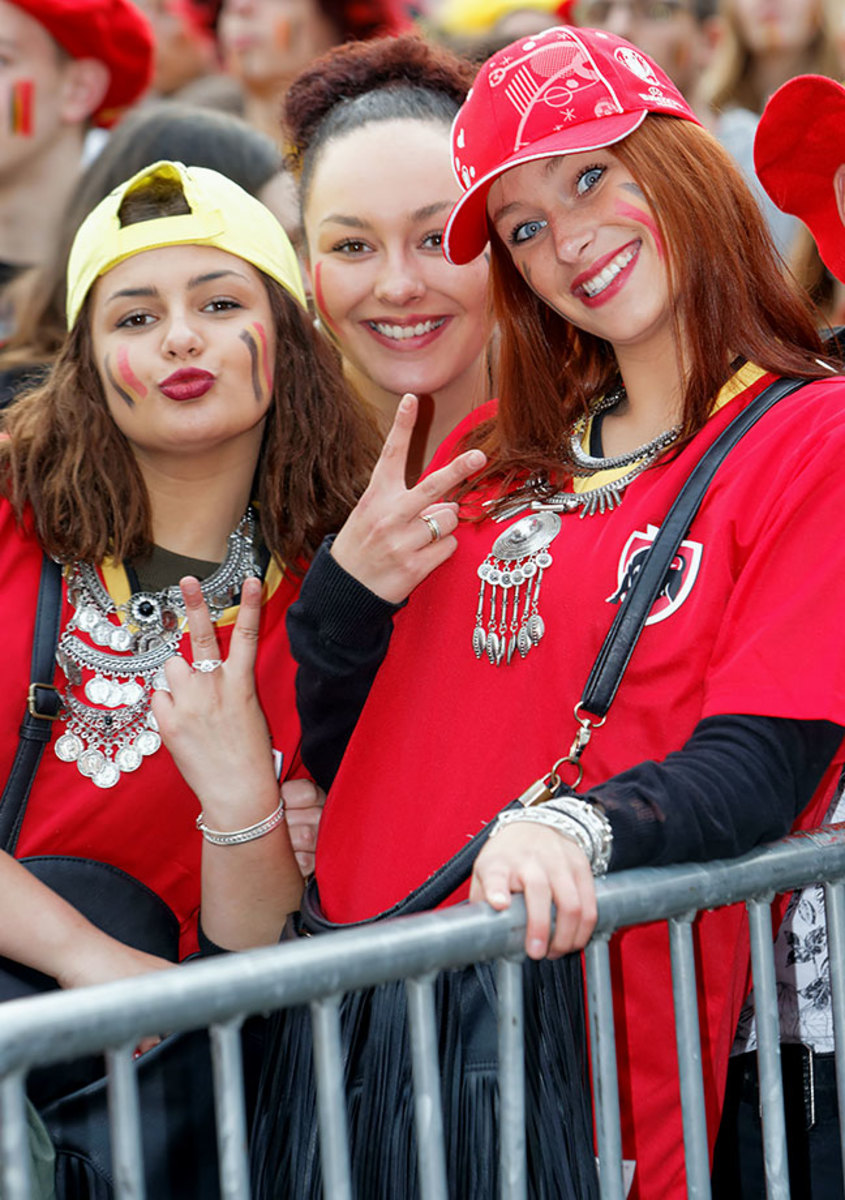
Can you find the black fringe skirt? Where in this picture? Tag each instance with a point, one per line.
(285, 1152)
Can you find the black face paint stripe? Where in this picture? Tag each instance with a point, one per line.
(124, 395)
(634, 189)
(248, 339)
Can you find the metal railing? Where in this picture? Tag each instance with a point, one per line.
(220, 993)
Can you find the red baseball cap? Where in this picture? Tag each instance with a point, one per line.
(114, 31)
(561, 92)
(799, 144)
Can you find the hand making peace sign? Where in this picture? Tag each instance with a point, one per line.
(396, 535)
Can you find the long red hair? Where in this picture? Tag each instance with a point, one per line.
(731, 298)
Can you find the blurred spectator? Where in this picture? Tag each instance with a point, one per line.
(67, 65)
(478, 28)
(266, 43)
(163, 130)
(187, 59)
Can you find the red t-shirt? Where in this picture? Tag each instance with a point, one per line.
(753, 626)
(146, 823)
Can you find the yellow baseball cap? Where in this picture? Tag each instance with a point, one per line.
(222, 214)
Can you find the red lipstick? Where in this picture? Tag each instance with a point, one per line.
(187, 384)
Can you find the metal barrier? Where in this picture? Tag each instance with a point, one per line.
(220, 993)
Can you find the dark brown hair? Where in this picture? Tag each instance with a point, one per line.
(364, 82)
(65, 462)
(731, 295)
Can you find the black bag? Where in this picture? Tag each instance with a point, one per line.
(285, 1160)
(174, 1078)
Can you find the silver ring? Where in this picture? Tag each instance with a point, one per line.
(205, 665)
(433, 528)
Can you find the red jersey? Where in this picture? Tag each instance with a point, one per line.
(146, 823)
(753, 625)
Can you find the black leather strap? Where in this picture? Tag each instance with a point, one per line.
(43, 705)
(618, 646)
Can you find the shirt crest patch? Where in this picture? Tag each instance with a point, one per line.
(680, 576)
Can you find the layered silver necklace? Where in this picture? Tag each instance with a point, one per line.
(113, 657)
(507, 618)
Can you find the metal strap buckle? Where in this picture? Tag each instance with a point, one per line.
(32, 701)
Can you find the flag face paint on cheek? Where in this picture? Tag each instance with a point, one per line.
(125, 396)
(320, 303)
(21, 96)
(131, 383)
(254, 338)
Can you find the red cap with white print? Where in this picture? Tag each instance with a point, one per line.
(560, 92)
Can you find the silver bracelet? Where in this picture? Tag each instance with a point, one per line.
(218, 838)
(590, 829)
(596, 824)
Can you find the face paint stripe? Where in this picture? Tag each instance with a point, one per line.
(248, 339)
(129, 377)
(124, 395)
(320, 303)
(20, 107)
(645, 218)
(265, 360)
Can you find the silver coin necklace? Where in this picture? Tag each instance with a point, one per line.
(113, 656)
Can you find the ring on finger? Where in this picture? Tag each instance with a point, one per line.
(206, 665)
(433, 527)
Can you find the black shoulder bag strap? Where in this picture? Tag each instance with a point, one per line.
(624, 633)
(608, 669)
(43, 705)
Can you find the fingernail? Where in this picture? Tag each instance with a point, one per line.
(405, 403)
(536, 947)
(475, 458)
(498, 898)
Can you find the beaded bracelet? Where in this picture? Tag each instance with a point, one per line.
(219, 838)
(581, 822)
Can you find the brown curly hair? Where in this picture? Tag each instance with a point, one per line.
(363, 82)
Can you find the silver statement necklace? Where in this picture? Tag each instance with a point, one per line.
(507, 618)
(112, 657)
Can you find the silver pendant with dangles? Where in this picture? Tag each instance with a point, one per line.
(511, 576)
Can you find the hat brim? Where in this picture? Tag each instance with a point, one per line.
(466, 235)
(799, 145)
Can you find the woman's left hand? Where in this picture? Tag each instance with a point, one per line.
(304, 802)
(548, 869)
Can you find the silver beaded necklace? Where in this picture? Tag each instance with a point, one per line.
(512, 573)
(119, 661)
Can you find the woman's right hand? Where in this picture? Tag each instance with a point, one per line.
(386, 543)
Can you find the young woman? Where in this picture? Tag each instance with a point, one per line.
(194, 424)
(369, 126)
(197, 137)
(641, 307)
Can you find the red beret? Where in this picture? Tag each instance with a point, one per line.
(800, 142)
(114, 31)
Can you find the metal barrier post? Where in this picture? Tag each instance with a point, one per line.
(688, 1036)
(834, 899)
(227, 1065)
(605, 1078)
(15, 1175)
(331, 1099)
(125, 1122)
(513, 1184)
(428, 1106)
(768, 1048)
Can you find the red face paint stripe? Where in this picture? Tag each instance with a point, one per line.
(128, 375)
(20, 108)
(320, 302)
(645, 218)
